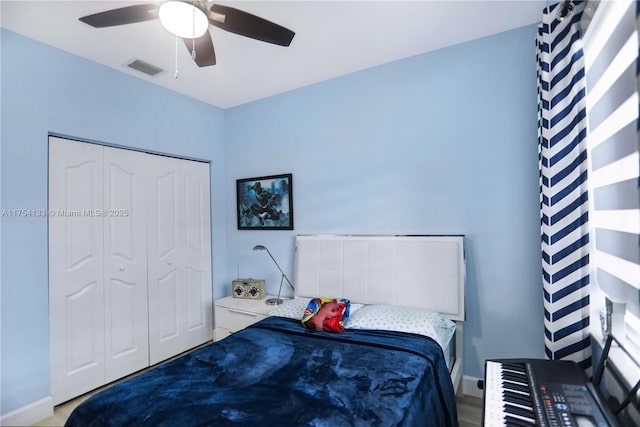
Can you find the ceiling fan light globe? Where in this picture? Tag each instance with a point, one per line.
(183, 19)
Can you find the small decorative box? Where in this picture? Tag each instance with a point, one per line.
(248, 288)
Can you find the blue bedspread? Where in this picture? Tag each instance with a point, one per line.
(276, 373)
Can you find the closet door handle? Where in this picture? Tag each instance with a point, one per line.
(121, 268)
(169, 262)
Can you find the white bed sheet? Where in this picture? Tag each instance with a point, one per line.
(450, 353)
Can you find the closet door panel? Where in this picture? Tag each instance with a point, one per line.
(166, 259)
(165, 209)
(198, 252)
(83, 318)
(76, 286)
(167, 321)
(124, 216)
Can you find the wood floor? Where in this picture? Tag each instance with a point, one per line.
(469, 412)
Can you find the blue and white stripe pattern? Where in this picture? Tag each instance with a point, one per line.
(563, 190)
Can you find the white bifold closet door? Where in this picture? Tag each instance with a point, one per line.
(76, 263)
(179, 257)
(125, 262)
(129, 262)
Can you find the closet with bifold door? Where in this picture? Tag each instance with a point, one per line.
(129, 262)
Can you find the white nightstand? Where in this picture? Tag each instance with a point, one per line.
(234, 314)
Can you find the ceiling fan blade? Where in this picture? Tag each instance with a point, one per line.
(248, 25)
(205, 54)
(123, 15)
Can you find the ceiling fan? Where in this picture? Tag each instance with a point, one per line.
(190, 19)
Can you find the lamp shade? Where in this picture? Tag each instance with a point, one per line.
(183, 19)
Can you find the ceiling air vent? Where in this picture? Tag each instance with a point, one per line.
(144, 67)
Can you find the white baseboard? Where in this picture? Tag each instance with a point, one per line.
(29, 414)
(470, 386)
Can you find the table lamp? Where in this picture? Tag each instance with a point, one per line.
(277, 300)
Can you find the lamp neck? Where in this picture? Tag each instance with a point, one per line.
(277, 265)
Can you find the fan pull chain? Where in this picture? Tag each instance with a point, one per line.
(193, 31)
(176, 75)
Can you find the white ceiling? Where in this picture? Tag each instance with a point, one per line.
(333, 38)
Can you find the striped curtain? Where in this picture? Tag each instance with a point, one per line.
(563, 185)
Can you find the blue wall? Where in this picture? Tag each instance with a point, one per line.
(46, 90)
(443, 142)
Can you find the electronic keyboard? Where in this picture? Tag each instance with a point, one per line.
(543, 393)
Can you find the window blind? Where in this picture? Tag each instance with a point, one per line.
(611, 62)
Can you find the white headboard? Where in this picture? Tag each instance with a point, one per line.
(408, 271)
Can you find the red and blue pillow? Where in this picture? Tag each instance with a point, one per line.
(326, 314)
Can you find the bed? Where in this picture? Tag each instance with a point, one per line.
(278, 373)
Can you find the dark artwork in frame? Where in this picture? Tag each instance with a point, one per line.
(265, 203)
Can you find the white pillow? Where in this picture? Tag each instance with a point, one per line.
(294, 308)
(400, 319)
(291, 308)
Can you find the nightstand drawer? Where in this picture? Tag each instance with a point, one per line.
(234, 319)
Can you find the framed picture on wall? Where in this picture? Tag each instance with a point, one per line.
(265, 203)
